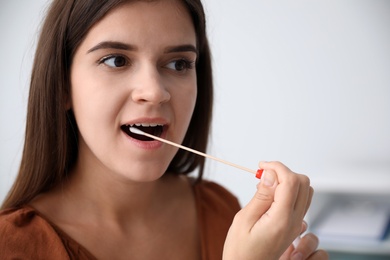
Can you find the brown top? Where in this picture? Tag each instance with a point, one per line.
(27, 234)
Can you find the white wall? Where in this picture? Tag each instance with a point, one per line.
(304, 82)
(19, 20)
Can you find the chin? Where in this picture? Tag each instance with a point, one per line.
(142, 174)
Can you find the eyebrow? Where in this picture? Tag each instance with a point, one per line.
(129, 47)
(112, 45)
(182, 48)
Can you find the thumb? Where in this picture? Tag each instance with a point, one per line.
(262, 200)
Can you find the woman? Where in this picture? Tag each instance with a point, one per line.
(89, 188)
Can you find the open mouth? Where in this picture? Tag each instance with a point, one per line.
(153, 129)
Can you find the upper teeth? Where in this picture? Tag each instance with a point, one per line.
(146, 124)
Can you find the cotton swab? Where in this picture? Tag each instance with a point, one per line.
(134, 130)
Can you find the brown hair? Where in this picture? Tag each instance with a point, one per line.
(51, 139)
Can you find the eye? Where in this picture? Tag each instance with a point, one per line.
(180, 65)
(114, 61)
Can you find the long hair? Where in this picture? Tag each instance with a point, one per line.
(51, 138)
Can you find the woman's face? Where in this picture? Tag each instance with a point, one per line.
(135, 67)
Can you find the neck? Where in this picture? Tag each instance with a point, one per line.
(101, 199)
(116, 198)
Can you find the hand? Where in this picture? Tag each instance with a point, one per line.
(306, 248)
(267, 226)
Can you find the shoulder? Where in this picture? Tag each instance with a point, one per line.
(24, 234)
(216, 198)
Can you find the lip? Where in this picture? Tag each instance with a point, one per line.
(147, 145)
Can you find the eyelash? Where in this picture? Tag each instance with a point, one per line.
(188, 64)
(106, 58)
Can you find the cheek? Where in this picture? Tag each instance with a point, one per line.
(84, 99)
(91, 92)
(92, 103)
(84, 109)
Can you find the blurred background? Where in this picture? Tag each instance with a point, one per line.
(302, 82)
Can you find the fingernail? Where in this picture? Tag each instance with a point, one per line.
(297, 256)
(268, 179)
(304, 225)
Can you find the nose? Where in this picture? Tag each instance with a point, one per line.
(149, 87)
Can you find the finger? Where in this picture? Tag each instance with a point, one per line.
(298, 239)
(285, 177)
(310, 199)
(287, 190)
(261, 201)
(286, 255)
(307, 246)
(304, 227)
(319, 255)
(281, 170)
(292, 195)
(296, 191)
(276, 166)
(303, 196)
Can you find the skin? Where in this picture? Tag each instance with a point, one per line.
(146, 90)
(271, 221)
(117, 202)
(117, 187)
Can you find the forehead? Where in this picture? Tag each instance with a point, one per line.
(167, 20)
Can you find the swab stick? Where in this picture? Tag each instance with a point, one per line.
(258, 173)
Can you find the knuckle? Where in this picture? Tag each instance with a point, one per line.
(305, 180)
(311, 191)
(299, 179)
(293, 179)
(262, 196)
(279, 165)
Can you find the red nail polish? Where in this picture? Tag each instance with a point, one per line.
(259, 173)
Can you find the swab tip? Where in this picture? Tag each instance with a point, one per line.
(136, 130)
